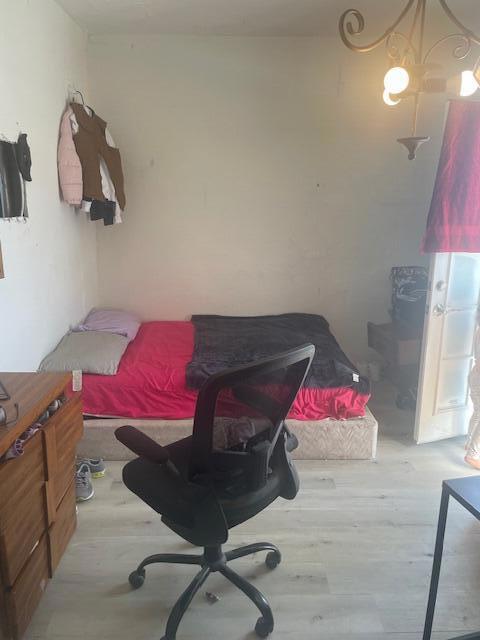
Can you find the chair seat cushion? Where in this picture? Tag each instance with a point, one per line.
(175, 498)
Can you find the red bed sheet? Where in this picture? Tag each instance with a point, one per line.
(150, 382)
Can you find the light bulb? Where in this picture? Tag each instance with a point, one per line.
(388, 99)
(396, 80)
(468, 85)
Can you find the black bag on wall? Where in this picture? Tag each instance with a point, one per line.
(409, 296)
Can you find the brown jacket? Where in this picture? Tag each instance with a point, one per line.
(90, 143)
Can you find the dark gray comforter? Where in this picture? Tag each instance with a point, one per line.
(222, 342)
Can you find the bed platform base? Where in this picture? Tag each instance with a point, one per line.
(354, 439)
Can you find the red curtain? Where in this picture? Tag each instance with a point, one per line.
(454, 218)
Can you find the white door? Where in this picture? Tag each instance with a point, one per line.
(443, 405)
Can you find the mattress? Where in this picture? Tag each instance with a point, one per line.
(151, 383)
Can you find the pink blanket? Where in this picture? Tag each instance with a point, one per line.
(150, 382)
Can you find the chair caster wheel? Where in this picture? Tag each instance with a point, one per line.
(273, 559)
(136, 579)
(263, 628)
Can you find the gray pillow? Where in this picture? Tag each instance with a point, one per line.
(89, 351)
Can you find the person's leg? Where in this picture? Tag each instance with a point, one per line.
(472, 427)
(473, 441)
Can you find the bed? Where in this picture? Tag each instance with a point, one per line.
(150, 389)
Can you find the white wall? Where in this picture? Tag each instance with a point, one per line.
(50, 261)
(262, 176)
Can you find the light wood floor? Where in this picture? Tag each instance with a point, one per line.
(357, 545)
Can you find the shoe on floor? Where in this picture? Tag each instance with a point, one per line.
(83, 483)
(96, 466)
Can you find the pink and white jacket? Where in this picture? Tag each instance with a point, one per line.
(69, 167)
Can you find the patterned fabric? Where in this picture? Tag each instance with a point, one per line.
(454, 218)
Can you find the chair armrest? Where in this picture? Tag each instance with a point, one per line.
(141, 444)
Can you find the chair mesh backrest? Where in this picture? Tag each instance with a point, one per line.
(240, 413)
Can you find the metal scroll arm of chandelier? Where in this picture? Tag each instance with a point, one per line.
(352, 23)
(348, 28)
(466, 32)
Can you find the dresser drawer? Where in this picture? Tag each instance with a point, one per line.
(19, 475)
(64, 477)
(68, 428)
(63, 528)
(22, 600)
(62, 433)
(21, 526)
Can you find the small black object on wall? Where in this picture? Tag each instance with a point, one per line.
(15, 165)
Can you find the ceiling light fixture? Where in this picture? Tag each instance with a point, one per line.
(387, 98)
(411, 69)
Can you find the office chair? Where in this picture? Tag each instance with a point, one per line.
(233, 466)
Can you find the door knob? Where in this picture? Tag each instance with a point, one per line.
(441, 285)
(438, 310)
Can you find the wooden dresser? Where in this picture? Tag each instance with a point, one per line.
(37, 492)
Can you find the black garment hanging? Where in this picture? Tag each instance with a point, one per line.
(103, 210)
(24, 158)
(12, 201)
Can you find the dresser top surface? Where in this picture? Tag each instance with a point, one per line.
(33, 392)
